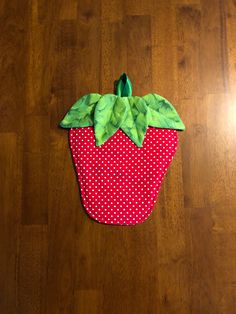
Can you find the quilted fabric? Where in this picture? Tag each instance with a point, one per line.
(119, 181)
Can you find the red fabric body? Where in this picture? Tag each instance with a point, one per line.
(120, 182)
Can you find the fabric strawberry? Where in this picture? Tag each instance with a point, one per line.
(122, 146)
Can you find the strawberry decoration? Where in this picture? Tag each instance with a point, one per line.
(122, 146)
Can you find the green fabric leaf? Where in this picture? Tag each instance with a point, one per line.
(109, 114)
(81, 113)
(161, 113)
(136, 121)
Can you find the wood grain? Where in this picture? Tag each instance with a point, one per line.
(53, 258)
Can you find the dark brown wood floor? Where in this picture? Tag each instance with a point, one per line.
(53, 258)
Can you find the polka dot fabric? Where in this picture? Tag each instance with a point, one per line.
(120, 182)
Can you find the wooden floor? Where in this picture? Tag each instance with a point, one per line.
(53, 258)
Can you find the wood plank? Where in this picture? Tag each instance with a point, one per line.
(163, 21)
(39, 68)
(114, 48)
(63, 84)
(230, 21)
(172, 255)
(129, 255)
(35, 168)
(112, 11)
(196, 189)
(164, 52)
(32, 269)
(202, 281)
(164, 82)
(188, 25)
(186, 2)
(139, 48)
(9, 216)
(224, 242)
(36, 121)
(68, 10)
(35, 189)
(88, 301)
(89, 47)
(213, 63)
(64, 204)
(220, 158)
(13, 44)
(143, 7)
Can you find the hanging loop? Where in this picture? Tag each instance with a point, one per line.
(124, 86)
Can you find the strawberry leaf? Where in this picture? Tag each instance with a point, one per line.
(161, 113)
(81, 113)
(133, 115)
(136, 121)
(109, 114)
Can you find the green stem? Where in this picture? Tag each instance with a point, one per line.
(124, 86)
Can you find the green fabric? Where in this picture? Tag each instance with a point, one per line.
(109, 114)
(124, 86)
(132, 114)
(81, 113)
(162, 114)
(136, 121)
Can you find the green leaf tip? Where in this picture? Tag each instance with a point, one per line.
(132, 114)
(136, 121)
(109, 115)
(162, 113)
(81, 113)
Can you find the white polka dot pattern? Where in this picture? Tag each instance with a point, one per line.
(120, 182)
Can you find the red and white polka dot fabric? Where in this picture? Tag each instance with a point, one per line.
(120, 182)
